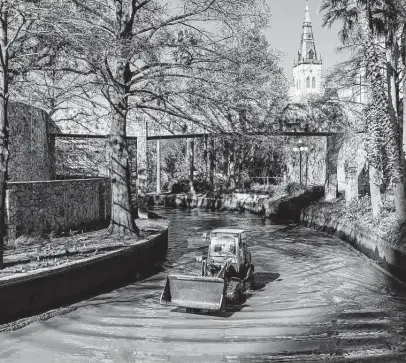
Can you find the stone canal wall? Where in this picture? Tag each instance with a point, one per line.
(389, 257)
(39, 207)
(283, 209)
(34, 292)
(293, 209)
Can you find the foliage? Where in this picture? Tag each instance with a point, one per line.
(236, 157)
(359, 213)
(316, 114)
(191, 64)
(375, 29)
(293, 188)
(180, 70)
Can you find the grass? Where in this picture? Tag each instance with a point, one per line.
(30, 253)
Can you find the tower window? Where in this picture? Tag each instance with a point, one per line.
(308, 82)
(314, 82)
(311, 54)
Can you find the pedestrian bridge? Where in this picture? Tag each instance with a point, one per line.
(293, 123)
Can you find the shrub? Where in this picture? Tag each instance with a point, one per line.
(294, 188)
(359, 212)
(181, 186)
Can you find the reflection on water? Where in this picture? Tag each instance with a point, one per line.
(315, 300)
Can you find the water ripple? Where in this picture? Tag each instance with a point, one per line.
(315, 300)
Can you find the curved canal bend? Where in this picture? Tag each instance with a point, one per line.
(316, 299)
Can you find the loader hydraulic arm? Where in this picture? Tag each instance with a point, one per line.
(224, 268)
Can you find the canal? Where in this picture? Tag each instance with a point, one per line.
(316, 299)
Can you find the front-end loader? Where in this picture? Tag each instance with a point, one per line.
(226, 273)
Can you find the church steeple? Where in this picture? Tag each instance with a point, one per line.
(307, 13)
(307, 69)
(307, 51)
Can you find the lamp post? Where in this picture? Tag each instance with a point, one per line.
(300, 148)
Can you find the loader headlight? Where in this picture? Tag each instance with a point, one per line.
(233, 260)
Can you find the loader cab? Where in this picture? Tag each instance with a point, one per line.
(224, 244)
(227, 243)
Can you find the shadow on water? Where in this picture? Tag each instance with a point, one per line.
(129, 293)
(262, 279)
(230, 311)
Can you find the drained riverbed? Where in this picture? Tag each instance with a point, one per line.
(316, 299)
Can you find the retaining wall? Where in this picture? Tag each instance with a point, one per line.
(284, 209)
(32, 293)
(389, 257)
(293, 209)
(60, 205)
(30, 147)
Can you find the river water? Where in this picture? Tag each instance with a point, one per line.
(316, 299)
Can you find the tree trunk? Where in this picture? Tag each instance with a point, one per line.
(226, 158)
(375, 156)
(205, 158)
(4, 129)
(391, 65)
(390, 126)
(158, 167)
(122, 221)
(399, 194)
(191, 164)
(404, 91)
(231, 173)
(375, 182)
(211, 163)
(404, 115)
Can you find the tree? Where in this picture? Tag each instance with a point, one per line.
(19, 26)
(350, 75)
(382, 125)
(4, 45)
(128, 47)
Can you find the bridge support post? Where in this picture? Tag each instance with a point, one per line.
(142, 169)
(212, 158)
(190, 151)
(158, 167)
(334, 143)
(231, 179)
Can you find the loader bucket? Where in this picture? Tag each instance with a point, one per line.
(194, 292)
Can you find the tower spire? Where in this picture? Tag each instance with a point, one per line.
(307, 51)
(307, 13)
(307, 69)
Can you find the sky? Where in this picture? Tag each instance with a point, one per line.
(286, 29)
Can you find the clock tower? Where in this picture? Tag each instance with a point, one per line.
(308, 67)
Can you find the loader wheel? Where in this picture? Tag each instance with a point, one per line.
(234, 291)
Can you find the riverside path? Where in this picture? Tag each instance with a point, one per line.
(316, 300)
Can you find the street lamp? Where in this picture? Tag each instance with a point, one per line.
(300, 148)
